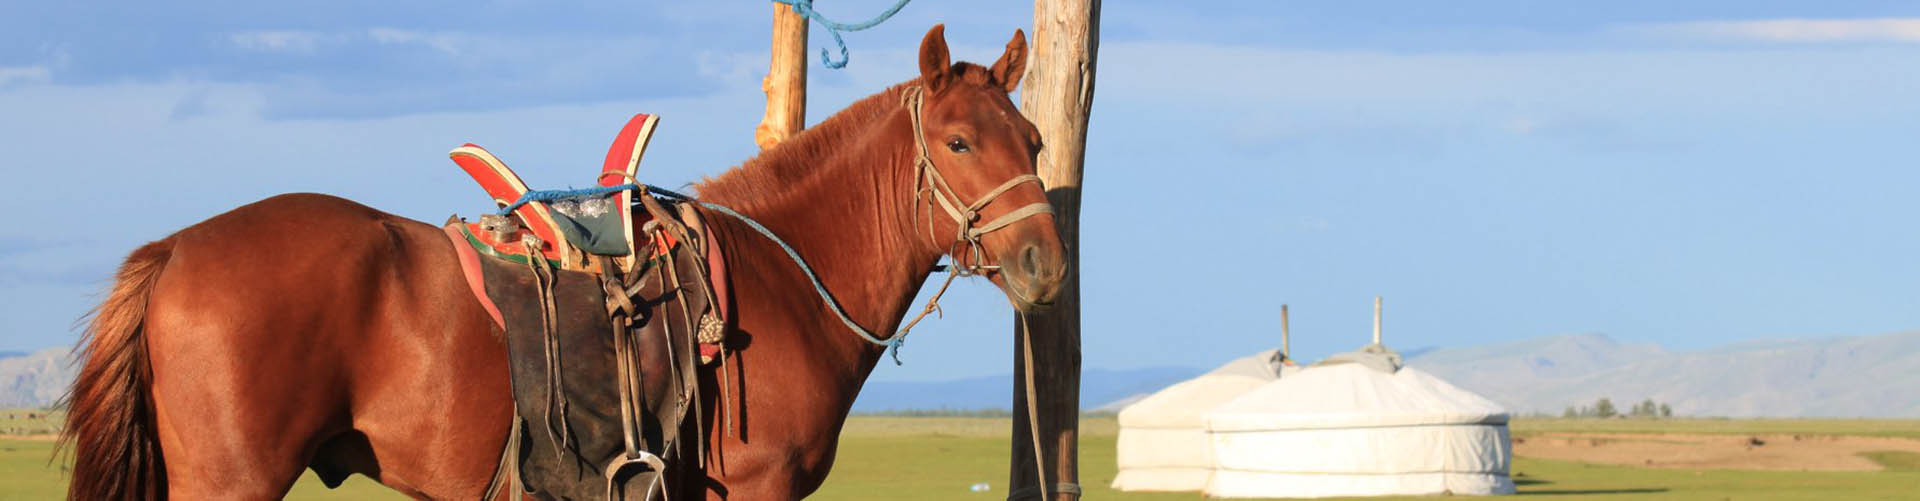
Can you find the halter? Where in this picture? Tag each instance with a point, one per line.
(930, 183)
(927, 182)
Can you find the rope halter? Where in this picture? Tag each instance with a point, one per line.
(928, 182)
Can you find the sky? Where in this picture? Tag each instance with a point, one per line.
(1688, 174)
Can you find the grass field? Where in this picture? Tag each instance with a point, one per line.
(939, 458)
(1903, 428)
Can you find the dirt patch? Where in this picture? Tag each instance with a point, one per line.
(1719, 452)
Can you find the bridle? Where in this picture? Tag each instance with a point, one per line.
(930, 183)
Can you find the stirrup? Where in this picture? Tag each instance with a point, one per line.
(646, 459)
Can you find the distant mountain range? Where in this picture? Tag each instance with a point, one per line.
(34, 379)
(1097, 387)
(1873, 376)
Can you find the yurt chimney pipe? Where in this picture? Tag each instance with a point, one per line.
(1286, 353)
(1376, 320)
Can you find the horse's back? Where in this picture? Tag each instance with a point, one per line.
(300, 318)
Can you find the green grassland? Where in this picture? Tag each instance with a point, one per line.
(1903, 428)
(939, 458)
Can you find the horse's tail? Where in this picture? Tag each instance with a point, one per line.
(110, 414)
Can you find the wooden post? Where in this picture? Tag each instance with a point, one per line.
(1058, 98)
(786, 82)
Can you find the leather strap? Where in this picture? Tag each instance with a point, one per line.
(507, 474)
(1035, 492)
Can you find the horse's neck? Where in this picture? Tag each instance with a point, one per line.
(849, 217)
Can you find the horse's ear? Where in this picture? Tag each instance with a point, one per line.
(935, 67)
(1013, 64)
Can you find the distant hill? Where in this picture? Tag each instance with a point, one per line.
(1097, 386)
(35, 379)
(1874, 376)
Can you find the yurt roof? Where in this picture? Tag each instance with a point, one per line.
(1357, 389)
(1260, 365)
(1184, 404)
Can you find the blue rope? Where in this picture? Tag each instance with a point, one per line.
(893, 343)
(805, 9)
(551, 195)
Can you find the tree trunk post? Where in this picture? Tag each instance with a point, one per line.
(786, 82)
(1058, 98)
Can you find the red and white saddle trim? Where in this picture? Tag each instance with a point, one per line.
(621, 166)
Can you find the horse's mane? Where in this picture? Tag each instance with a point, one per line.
(768, 179)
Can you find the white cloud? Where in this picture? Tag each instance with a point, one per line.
(1896, 30)
(278, 41)
(24, 74)
(393, 36)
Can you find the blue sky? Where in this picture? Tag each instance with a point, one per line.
(1687, 174)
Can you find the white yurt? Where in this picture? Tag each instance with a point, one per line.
(1163, 442)
(1359, 424)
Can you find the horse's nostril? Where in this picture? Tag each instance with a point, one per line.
(1030, 261)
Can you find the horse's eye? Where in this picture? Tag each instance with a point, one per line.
(958, 145)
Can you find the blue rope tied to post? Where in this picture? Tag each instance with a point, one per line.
(551, 195)
(805, 9)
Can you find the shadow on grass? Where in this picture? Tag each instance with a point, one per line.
(1584, 492)
(1531, 481)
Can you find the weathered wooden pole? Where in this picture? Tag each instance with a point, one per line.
(786, 82)
(1058, 98)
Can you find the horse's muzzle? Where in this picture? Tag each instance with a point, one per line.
(1035, 277)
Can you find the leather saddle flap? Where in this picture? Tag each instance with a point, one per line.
(585, 370)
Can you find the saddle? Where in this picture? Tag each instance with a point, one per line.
(611, 301)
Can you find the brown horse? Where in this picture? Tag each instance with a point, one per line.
(307, 331)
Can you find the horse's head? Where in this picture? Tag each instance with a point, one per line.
(976, 192)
